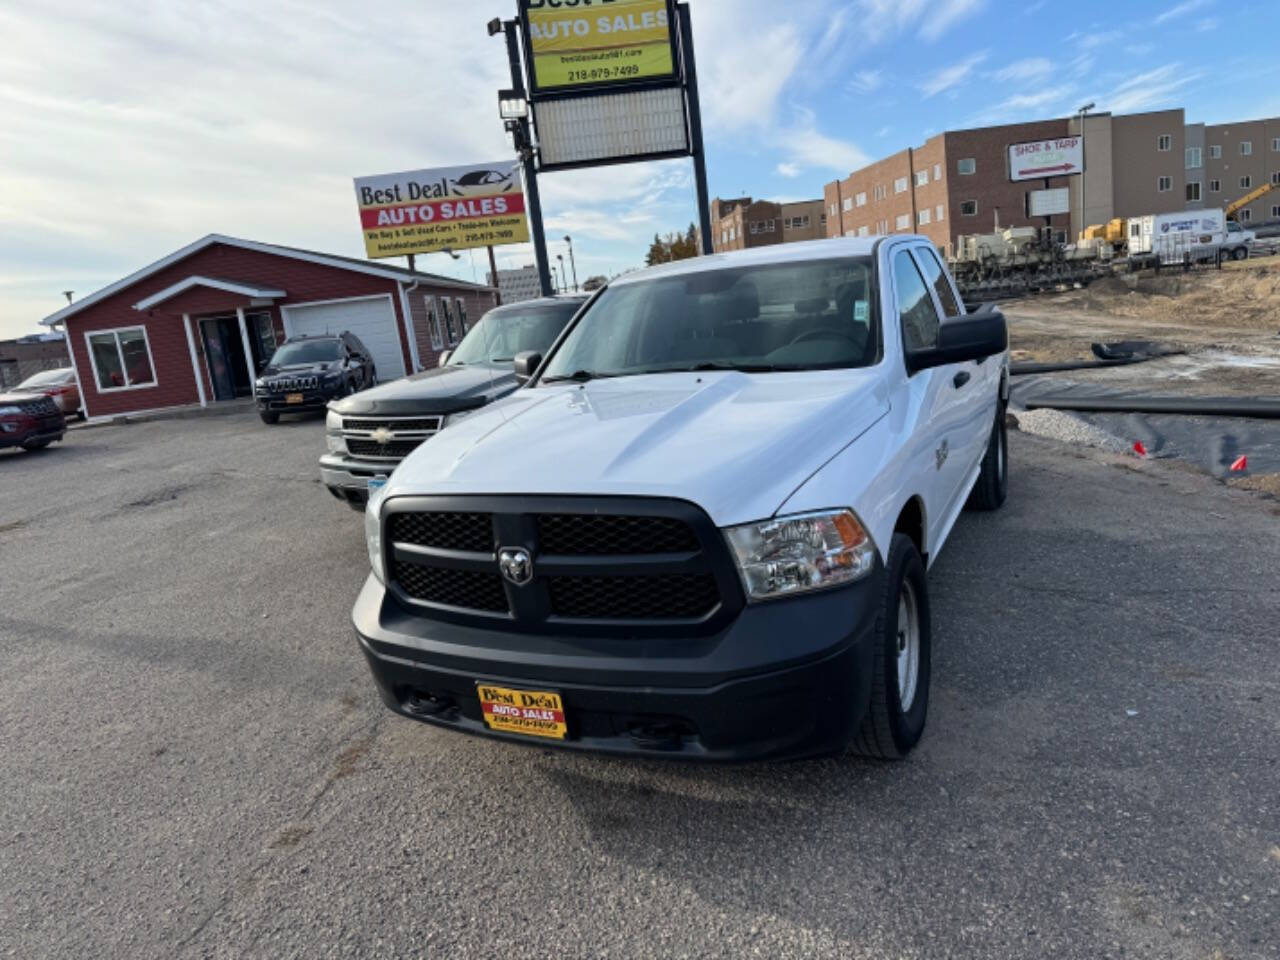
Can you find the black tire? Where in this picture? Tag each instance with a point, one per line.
(36, 445)
(1240, 253)
(270, 417)
(888, 732)
(373, 377)
(992, 488)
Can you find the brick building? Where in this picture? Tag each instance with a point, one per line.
(195, 326)
(741, 222)
(25, 356)
(1224, 162)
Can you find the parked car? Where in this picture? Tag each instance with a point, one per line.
(59, 384)
(369, 433)
(305, 373)
(701, 528)
(30, 421)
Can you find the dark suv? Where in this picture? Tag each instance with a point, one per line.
(30, 422)
(305, 373)
(370, 433)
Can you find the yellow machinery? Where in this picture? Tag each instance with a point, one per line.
(1111, 232)
(1248, 198)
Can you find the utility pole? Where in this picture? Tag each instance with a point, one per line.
(1084, 112)
(493, 277)
(573, 263)
(524, 145)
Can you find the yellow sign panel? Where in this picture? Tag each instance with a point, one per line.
(533, 712)
(447, 208)
(580, 43)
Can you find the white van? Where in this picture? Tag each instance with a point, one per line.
(1200, 234)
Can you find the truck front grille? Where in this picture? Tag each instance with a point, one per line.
(395, 450)
(599, 565)
(387, 438)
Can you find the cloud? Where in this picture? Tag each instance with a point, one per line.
(1149, 89)
(808, 148)
(1031, 69)
(1091, 41)
(866, 81)
(931, 19)
(789, 170)
(883, 132)
(831, 36)
(1034, 8)
(1207, 24)
(1181, 10)
(943, 16)
(1022, 106)
(950, 77)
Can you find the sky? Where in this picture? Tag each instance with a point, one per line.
(129, 129)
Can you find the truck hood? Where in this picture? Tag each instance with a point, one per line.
(440, 390)
(736, 444)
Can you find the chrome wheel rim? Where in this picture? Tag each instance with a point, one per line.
(907, 645)
(1000, 456)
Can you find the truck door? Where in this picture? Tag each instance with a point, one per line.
(934, 416)
(976, 394)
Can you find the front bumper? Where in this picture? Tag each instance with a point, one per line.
(348, 478)
(784, 679)
(20, 431)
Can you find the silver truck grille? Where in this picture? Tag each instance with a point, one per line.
(387, 438)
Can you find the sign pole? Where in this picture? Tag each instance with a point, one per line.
(524, 144)
(493, 274)
(695, 126)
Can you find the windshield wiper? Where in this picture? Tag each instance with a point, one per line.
(579, 376)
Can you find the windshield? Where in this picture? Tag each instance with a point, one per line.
(47, 378)
(506, 331)
(306, 351)
(783, 316)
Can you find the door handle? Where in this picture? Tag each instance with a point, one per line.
(960, 379)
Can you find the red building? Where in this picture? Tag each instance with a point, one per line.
(194, 327)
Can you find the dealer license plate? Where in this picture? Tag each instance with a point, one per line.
(535, 713)
(293, 398)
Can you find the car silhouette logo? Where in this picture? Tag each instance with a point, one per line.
(516, 565)
(481, 181)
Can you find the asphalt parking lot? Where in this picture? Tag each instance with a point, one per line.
(194, 762)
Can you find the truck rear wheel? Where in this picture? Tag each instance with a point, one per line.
(901, 660)
(1239, 253)
(992, 488)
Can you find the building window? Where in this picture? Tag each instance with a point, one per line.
(924, 217)
(848, 204)
(755, 228)
(1246, 182)
(968, 208)
(922, 178)
(1193, 190)
(903, 222)
(1215, 152)
(880, 192)
(1275, 210)
(450, 328)
(121, 359)
(939, 213)
(1164, 143)
(882, 227)
(1246, 148)
(733, 233)
(863, 231)
(433, 324)
(967, 167)
(900, 185)
(724, 236)
(824, 220)
(1275, 178)
(1194, 161)
(1215, 186)
(937, 172)
(1275, 145)
(1164, 184)
(770, 224)
(462, 317)
(861, 199)
(833, 210)
(1246, 215)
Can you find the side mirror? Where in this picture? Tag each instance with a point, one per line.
(974, 336)
(444, 357)
(526, 365)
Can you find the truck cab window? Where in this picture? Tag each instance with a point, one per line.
(915, 306)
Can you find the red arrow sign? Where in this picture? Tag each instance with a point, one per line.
(1060, 168)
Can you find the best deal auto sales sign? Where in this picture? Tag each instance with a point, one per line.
(446, 208)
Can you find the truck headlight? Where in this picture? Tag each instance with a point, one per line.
(796, 554)
(373, 536)
(333, 422)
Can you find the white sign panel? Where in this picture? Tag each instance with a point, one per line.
(1060, 157)
(1045, 203)
(612, 126)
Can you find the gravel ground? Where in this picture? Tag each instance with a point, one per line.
(194, 762)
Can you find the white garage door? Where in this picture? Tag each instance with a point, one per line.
(372, 319)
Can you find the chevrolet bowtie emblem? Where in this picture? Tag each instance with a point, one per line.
(382, 436)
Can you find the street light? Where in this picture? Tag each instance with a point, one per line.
(563, 272)
(555, 279)
(572, 262)
(1083, 112)
(512, 105)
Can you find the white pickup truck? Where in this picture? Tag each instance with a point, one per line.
(701, 527)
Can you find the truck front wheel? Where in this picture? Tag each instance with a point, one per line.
(1240, 253)
(901, 658)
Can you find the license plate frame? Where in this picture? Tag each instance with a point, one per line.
(294, 398)
(527, 713)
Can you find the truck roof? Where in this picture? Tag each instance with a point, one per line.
(775, 253)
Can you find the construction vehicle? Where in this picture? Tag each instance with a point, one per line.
(1248, 198)
(1021, 259)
